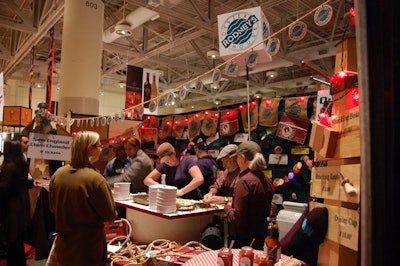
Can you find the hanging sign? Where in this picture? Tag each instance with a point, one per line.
(242, 31)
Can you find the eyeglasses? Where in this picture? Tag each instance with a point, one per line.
(98, 146)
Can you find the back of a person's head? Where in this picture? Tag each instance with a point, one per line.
(80, 144)
(12, 151)
(133, 141)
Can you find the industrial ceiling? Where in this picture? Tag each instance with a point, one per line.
(175, 39)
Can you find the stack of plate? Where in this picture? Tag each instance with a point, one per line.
(162, 198)
(122, 191)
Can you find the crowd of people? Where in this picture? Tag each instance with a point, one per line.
(81, 197)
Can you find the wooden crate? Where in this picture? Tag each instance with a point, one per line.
(16, 116)
(323, 139)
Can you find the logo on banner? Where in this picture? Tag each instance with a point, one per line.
(240, 31)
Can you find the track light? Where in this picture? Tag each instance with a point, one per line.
(213, 53)
(123, 29)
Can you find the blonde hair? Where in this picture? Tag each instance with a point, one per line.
(80, 144)
(258, 163)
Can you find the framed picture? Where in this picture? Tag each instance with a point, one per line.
(148, 139)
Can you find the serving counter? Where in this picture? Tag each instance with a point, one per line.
(180, 226)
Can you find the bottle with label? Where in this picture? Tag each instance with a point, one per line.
(246, 256)
(154, 87)
(225, 257)
(147, 90)
(272, 246)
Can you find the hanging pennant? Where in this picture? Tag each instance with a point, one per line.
(229, 122)
(91, 122)
(297, 31)
(252, 59)
(216, 77)
(323, 15)
(199, 86)
(71, 122)
(253, 116)
(183, 92)
(178, 126)
(165, 128)
(161, 101)
(268, 114)
(152, 106)
(103, 121)
(210, 123)
(273, 46)
(194, 125)
(297, 106)
(231, 68)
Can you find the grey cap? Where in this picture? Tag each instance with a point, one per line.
(248, 149)
(164, 151)
(228, 150)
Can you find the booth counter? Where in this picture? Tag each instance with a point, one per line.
(180, 226)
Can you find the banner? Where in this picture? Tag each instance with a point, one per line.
(141, 87)
(49, 147)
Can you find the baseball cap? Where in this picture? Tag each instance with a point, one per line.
(164, 151)
(117, 144)
(248, 149)
(228, 150)
(202, 146)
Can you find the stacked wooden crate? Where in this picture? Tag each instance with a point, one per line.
(335, 179)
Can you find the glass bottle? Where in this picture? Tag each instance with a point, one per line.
(246, 256)
(147, 90)
(225, 257)
(154, 87)
(272, 246)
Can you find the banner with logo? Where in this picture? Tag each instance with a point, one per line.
(293, 128)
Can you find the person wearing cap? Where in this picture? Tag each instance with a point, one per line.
(140, 166)
(119, 163)
(208, 166)
(252, 198)
(222, 189)
(181, 172)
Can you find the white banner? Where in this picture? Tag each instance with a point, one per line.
(1, 95)
(49, 147)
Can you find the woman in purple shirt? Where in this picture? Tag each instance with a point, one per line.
(181, 172)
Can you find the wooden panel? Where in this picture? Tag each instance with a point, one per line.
(343, 225)
(326, 182)
(346, 55)
(332, 254)
(347, 124)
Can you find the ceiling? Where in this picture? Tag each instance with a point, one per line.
(176, 44)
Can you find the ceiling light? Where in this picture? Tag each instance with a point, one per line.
(272, 74)
(123, 29)
(213, 53)
(214, 86)
(217, 102)
(257, 95)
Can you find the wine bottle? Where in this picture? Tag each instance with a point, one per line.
(154, 91)
(147, 90)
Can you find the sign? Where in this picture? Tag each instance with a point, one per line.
(293, 128)
(49, 147)
(241, 32)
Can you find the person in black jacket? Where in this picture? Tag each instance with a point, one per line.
(14, 201)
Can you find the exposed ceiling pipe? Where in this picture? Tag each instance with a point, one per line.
(135, 19)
